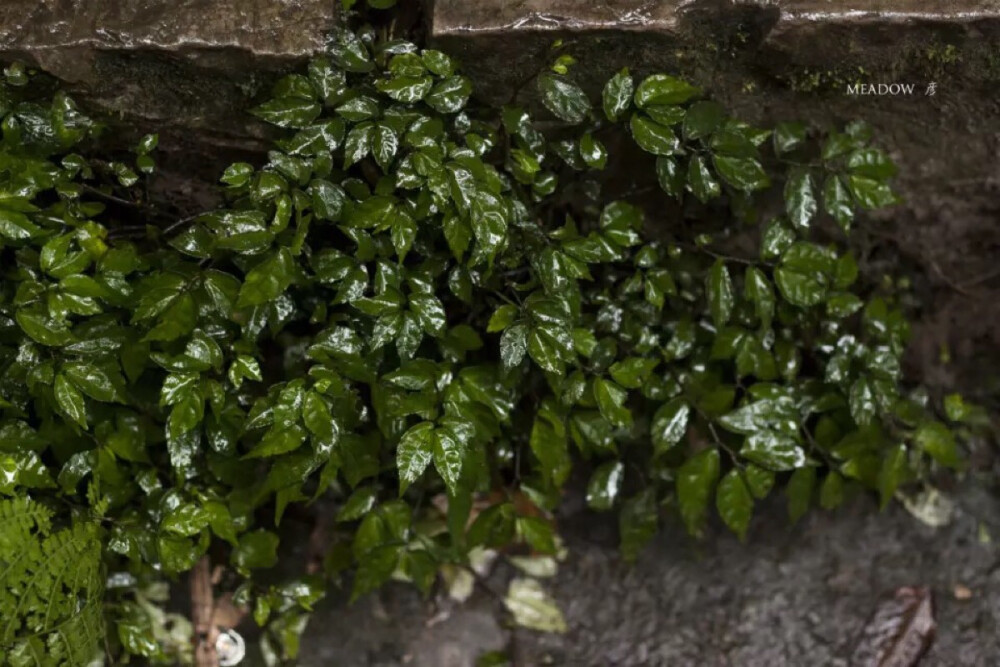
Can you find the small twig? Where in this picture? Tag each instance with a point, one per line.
(949, 282)
(117, 200)
(979, 280)
(202, 608)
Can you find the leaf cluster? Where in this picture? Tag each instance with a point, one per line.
(426, 315)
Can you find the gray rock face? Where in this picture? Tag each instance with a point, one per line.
(185, 68)
(776, 60)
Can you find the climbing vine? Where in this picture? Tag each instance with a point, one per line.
(426, 317)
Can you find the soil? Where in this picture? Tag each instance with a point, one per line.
(789, 596)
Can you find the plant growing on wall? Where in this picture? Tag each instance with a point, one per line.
(417, 299)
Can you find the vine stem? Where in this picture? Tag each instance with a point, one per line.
(202, 608)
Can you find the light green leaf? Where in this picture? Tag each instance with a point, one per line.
(664, 89)
(734, 502)
(799, 492)
(611, 402)
(696, 480)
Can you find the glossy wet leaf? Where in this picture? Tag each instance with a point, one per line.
(734, 502)
(696, 480)
(564, 98)
(617, 95)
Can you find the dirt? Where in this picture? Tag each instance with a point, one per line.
(789, 596)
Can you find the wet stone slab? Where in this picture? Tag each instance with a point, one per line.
(187, 68)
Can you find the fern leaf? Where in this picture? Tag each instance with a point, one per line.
(51, 588)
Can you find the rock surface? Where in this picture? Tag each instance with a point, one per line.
(789, 597)
(185, 68)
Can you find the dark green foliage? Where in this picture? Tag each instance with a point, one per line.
(412, 301)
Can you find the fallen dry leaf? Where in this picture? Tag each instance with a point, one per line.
(962, 592)
(899, 632)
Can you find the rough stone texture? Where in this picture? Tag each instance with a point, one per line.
(793, 59)
(185, 68)
(789, 597)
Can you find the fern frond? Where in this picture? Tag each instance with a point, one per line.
(51, 588)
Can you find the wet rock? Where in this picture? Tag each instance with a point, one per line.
(776, 60)
(186, 68)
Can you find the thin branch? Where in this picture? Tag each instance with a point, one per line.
(202, 608)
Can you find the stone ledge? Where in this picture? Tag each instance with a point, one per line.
(187, 69)
(776, 38)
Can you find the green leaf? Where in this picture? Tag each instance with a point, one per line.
(538, 533)
(670, 176)
(360, 503)
(696, 480)
(799, 492)
(437, 62)
(70, 401)
(719, 287)
(563, 98)
(758, 291)
(185, 520)
(939, 442)
(448, 455)
(653, 137)
(759, 481)
(605, 485)
(800, 202)
(773, 451)
(637, 523)
(593, 152)
(406, 89)
(514, 345)
(385, 143)
(837, 202)
(862, 402)
(617, 95)
(268, 280)
(670, 424)
(831, 491)
(891, 474)
(548, 444)
(16, 226)
(664, 89)
(42, 329)
(869, 193)
(871, 163)
(788, 137)
(799, 289)
(414, 453)
(745, 174)
(956, 408)
(701, 181)
(502, 318)
(734, 502)
(450, 95)
(93, 381)
(611, 402)
(632, 372)
(288, 111)
(257, 550)
(702, 119)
